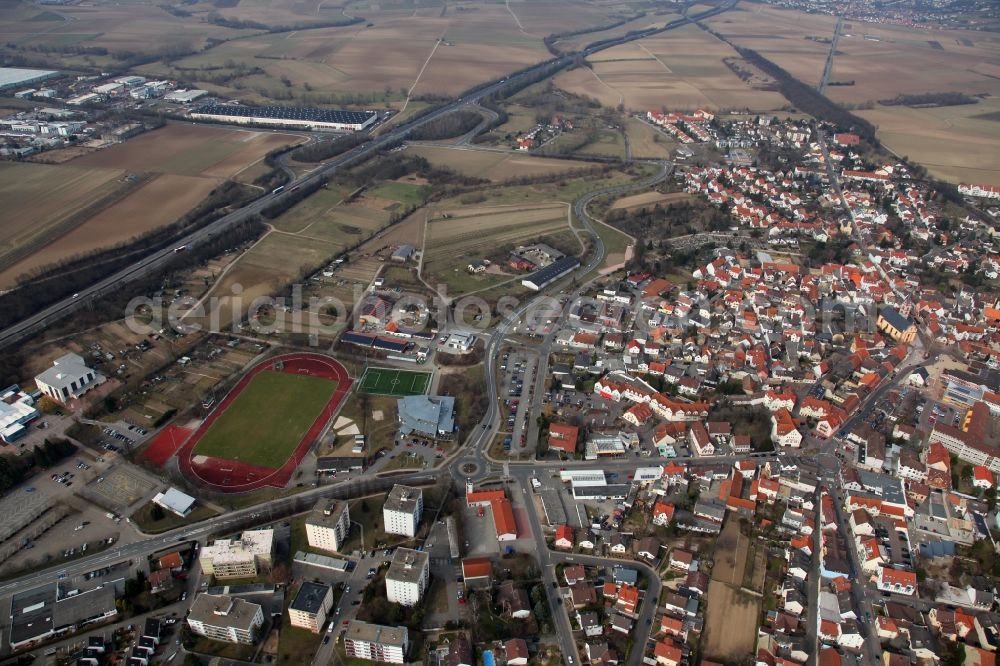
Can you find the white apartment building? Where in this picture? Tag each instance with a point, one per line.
(376, 642)
(402, 510)
(407, 577)
(238, 558)
(224, 618)
(328, 525)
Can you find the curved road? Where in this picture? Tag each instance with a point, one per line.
(476, 446)
(161, 258)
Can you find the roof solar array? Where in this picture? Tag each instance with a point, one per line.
(288, 113)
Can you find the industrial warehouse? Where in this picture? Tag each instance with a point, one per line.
(287, 116)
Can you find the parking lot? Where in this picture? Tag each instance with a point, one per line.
(408, 453)
(80, 528)
(122, 436)
(518, 372)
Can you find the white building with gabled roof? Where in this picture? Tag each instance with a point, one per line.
(68, 378)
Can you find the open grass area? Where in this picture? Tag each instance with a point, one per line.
(608, 143)
(143, 518)
(314, 207)
(222, 649)
(361, 408)
(298, 540)
(494, 165)
(410, 194)
(955, 143)
(279, 258)
(190, 150)
(489, 232)
(648, 142)
(268, 419)
(566, 190)
(396, 48)
(389, 381)
(243, 500)
(367, 512)
(412, 109)
(43, 198)
(404, 460)
(437, 596)
(615, 242)
(402, 277)
(56, 211)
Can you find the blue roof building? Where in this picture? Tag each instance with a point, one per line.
(427, 416)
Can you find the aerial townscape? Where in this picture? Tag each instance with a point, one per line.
(465, 333)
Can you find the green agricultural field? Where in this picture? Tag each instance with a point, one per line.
(609, 143)
(387, 381)
(268, 419)
(409, 194)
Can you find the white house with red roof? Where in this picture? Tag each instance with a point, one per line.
(564, 537)
(638, 414)
(896, 581)
(982, 477)
(700, 442)
(784, 431)
(663, 513)
(985, 191)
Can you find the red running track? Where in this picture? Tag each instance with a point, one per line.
(165, 445)
(231, 476)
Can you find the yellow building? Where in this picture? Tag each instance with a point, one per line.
(896, 326)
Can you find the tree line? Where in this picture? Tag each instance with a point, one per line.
(806, 98)
(450, 125)
(930, 99)
(15, 469)
(399, 165)
(809, 100)
(321, 151)
(48, 284)
(277, 175)
(242, 24)
(550, 41)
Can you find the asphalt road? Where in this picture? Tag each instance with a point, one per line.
(219, 524)
(477, 445)
(161, 258)
(547, 561)
(828, 66)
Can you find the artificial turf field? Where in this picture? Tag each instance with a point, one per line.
(268, 419)
(388, 381)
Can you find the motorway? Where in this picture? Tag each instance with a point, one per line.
(161, 258)
(472, 463)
